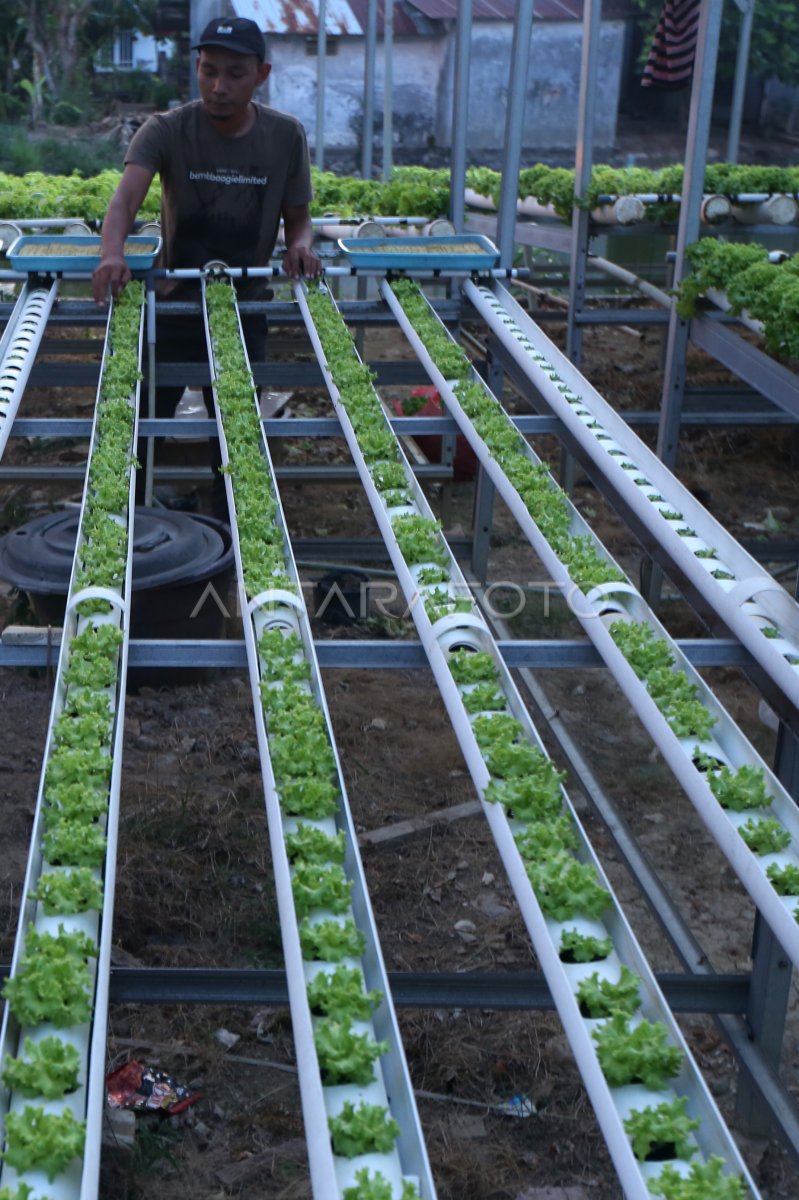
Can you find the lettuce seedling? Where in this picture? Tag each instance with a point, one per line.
(661, 1132)
(345, 1056)
(312, 845)
(37, 1140)
(499, 730)
(636, 1054)
(765, 837)
(785, 880)
(49, 1069)
(367, 1129)
(581, 948)
(73, 843)
(736, 790)
(64, 893)
(309, 797)
(706, 1181)
(472, 666)
(342, 995)
(535, 798)
(52, 982)
(23, 1192)
(327, 941)
(320, 886)
(373, 1185)
(600, 998)
(643, 649)
(485, 697)
(542, 838)
(565, 887)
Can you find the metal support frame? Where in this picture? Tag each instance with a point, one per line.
(704, 79)
(589, 61)
(460, 114)
(514, 125)
(370, 55)
(321, 84)
(747, 9)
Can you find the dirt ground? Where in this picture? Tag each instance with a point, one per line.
(194, 883)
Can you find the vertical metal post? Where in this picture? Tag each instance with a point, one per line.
(388, 79)
(200, 13)
(482, 520)
(583, 165)
(514, 125)
(149, 460)
(321, 73)
(747, 8)
(704, 78)
(370, 54)
(460, 114)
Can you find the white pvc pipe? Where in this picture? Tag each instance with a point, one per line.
(543, 932)
(744, 862)
(18, 348)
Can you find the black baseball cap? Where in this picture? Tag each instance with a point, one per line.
(234, 33)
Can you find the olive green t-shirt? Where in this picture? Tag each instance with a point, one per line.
(221, 197)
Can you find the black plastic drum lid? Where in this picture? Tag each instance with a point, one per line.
(168, 548)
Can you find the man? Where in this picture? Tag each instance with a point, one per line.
(229, 169)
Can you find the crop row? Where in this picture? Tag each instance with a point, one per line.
(742, 792)
(361, 1127)
(410, 191)
(753, 283)
(51, 987)
(630, 1049)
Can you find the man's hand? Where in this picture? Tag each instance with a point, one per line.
(112, 273)
(301, 261)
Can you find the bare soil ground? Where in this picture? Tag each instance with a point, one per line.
(194, 884)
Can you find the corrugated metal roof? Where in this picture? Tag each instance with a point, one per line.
(299, 16)
(411, 17)
(501, 10)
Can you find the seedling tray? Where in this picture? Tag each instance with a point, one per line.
(79, 253)
(472, 252)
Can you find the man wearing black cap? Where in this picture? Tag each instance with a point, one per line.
(229, 168)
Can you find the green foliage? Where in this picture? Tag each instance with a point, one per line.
(635, 1054)
(664, 1126)
(39, 1140)
(52, 982)
(67, 892)
(785, 880)
(764, 837)
(706, 1181)
(345, 1056)
(329, 941)
(367, 1129)
(49, 1069)
(599, 997)
(567, 888)
(317, 885)
(312, 845)
(341, 995)
(736, 790)
(581, 948)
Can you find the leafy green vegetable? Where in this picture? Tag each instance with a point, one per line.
(341, 995)
(736, 790)
(470, 666)
(641, 646)
(635, 1054)
(536, 797)
(345, 1056)
(373, 1185)
(565, 887)
(39, 1140)
(367, 1129)
(484, 697)
(764, 837)
(69, 892)
(49, 1069)
(785, 880)
(328, 941)
(52, 982)
(599, 997)
(313, 845)
(666, 1126)
(580, 947)
(706, 1181)
(317, 885)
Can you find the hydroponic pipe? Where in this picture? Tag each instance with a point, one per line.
(625, 276)
(470, 629)
(621, 598)
(285, 608)
(750, 598)
(18, 347)
(80, 1178)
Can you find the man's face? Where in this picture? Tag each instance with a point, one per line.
(227, 81)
